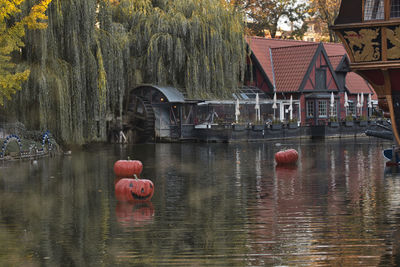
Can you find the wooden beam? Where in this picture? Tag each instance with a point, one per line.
(384, 43)
(376, 65)
(389, 99)
(387, 9)
(375, 23)
(362, 10)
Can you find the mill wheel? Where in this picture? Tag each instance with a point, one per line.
(140, 116)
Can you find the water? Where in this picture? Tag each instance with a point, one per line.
(214, 205)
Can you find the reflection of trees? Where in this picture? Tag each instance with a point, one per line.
(214, 204)
(200, 194)
(57, 214)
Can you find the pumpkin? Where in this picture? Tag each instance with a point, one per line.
(128, 189)
(134, 214)
(128, 168)
(289, 156)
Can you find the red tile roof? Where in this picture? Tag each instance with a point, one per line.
(335, 61)
(263, 47)
(356, 84)
(334, 49)
(260, 48)
(289, 76)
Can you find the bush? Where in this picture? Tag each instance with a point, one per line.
(349, 118)
(333, 119)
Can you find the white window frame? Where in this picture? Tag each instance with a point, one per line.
(323, 106)
(310, 107)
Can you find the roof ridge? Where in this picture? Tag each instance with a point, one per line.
(294, 46)
(290, 40)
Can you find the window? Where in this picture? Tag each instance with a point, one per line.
(374, 10)
(395, 9)
(351, 108)
(322, 109)
(320, 78)
(310, 109)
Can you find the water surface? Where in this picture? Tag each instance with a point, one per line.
(214, 205)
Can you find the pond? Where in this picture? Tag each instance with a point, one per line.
(214, 205)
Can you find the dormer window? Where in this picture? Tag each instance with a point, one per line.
(374, 10)
(395, 9)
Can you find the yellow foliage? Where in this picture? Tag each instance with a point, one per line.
(11, 39)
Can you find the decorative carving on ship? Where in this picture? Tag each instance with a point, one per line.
(370, 32)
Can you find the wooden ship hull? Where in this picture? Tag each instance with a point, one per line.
(370, 32)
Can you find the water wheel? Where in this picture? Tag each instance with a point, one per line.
(139, 120)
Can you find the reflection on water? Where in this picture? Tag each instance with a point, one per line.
(214, 204)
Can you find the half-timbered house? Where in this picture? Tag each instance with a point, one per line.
(309, 72)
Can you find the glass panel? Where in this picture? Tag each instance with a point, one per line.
(322, 109)
(310, 109)
(395, 9)
(351, 108)
(374, 9)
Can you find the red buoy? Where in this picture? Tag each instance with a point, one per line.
(128, 168)
(289, 156)
(127, 190)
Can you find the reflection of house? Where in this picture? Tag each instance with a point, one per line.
(308, 72)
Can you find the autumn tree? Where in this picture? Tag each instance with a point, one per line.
(12, 32)
(326, 11)
(266, 15)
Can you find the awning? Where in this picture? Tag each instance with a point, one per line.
(171, 93)
(320, 96)
(249, 93)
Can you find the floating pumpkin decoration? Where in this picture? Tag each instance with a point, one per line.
(128, 168)
(134, 214)
(128, 189)
(289, 156)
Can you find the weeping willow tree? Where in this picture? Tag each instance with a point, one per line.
(94, 51)
(196, 45)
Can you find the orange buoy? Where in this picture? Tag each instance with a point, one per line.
(127, 190)
(128, 168)
(289, 156)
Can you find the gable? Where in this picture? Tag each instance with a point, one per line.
(290, 65)
(266, 57)
(343, 65)
(320, 75)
